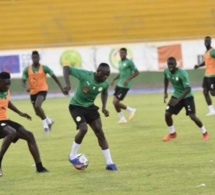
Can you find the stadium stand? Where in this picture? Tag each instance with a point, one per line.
(45, 23)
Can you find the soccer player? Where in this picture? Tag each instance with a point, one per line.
(83, 110)
(11, 131)
(127, 71)
(36, 76)
(208, 84)
(182, 97)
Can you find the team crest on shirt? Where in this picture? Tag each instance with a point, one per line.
(100, 89)
(85, 89)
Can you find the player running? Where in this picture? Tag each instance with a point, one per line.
(182, 98)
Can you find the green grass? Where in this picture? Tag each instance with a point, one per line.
(146, 164)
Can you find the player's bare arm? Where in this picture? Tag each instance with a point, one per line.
(134, 74)
(174, 101)
(24, 85)
(104, 98)
(200, 65)
(186, 91)
(166, 83)
(59, 84)
(16, 110)
(66, 71)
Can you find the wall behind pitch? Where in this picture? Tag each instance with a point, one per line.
(149, 56)
(46, 23)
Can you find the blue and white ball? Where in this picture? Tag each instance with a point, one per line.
(83, 160)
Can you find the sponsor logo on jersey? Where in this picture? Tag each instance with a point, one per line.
(3, 124)
(85, 89)
(100, 89)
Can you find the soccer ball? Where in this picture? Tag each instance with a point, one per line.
(83, 160)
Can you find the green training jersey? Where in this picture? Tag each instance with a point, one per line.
(179, 80)
(126, 68)
(88, 88)
(46, 69)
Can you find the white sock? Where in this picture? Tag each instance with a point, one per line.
(171, 129)
(211, 108)
(203, 130)
(129, 109)
(49, 120)
(107, 156)
(45, 124)
(121, 116)
(74, 150)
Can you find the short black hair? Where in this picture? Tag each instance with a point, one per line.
(4, 75)
(171, 58)
(103, 65)
(35, 52)
(123, 49)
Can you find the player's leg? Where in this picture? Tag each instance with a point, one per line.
(118, 106)
(202, 128)
(119, 95)
(169, 121)
(28, 136)
(8, 133)
(47, 122)
(212, 85)
(170, 110)
(191, 112)
(209, 102)
(96, 126)
(77, 114)
(206, 89)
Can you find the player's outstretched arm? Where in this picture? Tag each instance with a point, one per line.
(59, 84)
(16, 110)
(200, 65)
(66, 73)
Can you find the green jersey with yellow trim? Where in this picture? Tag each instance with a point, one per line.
(88, 88)
(179, 80)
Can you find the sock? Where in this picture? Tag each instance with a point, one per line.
(203, 130)
(74, 150)
(121, 116)
(45, 124)
(171, 129)
(107, 156)
(49, 120)
(211, 108)
(129, 109)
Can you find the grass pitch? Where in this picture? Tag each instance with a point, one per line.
(147, 165)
